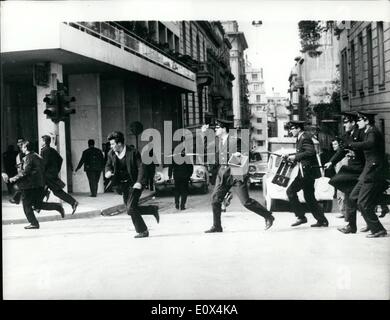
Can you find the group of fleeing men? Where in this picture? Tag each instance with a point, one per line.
(362, 179)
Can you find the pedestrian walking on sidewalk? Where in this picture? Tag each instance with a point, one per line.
(93, 161)
(125, 168)
(53, 162)
(31, 183)
(226, 181)
(308, 171)
(181, 175)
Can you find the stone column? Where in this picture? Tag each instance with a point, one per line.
(85, 124)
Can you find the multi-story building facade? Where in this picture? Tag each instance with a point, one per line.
(119, 72)
(320, 73)
(297, 91)
(241, 111)
(365, 71)
(278, 115)
(116, 76)
(205, 45)
(257, 104)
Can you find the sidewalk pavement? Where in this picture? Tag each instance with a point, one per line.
(104, 204)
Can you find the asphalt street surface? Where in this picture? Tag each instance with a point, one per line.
(98, 258)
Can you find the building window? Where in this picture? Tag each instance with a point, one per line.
(184, 37)
(361, 63)
(197, 48)
(344, 72)
(256, 87)
(381, 53)
(259, 131)
(258, 98)
(369, 59)
(254, 76)
(353, 70)
(191, 44)
(259, 120)
(260, 143)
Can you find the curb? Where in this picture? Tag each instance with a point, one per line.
(110, 211)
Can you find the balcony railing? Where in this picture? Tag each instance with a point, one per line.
(119, 38)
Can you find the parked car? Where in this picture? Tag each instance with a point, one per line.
(258, 167)
(199, 180)
(273, 192)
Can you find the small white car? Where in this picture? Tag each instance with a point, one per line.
(198, 181)
(273, 192)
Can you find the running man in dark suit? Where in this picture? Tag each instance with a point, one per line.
(93, 161)
(308, 172)
(53, 163)
(127, 172)
(31, 182)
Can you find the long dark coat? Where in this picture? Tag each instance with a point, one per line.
(53, 162)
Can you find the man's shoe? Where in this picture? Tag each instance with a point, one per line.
(182, 207)
(323, 223)
(340, 216)
(347, 229)
(214, 229)
(385, 210)
(378, 234)
(299, 221)
(13, 201)
(144, 234)
(62, 212)
(177, 206)
(268, 222)
(32, 226)
(365, 229)
(74, 207)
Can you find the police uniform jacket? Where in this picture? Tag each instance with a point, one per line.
(373, 146)
(92, 159)
(306, 155)
(31, 174)
(52, 164)
(134, 165)
(356, 162)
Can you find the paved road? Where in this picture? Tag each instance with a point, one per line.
(98, 258)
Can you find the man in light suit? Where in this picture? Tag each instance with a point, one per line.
(225, 180)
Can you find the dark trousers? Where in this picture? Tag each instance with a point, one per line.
(224, 182)
(307, 185)
(17, 195)
(364, 197)
(131, 199)
(181, 191)
(32, 199)
(93, 179)
(64, 196)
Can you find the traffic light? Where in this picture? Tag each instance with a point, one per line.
(52, 106)
(64, 102)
